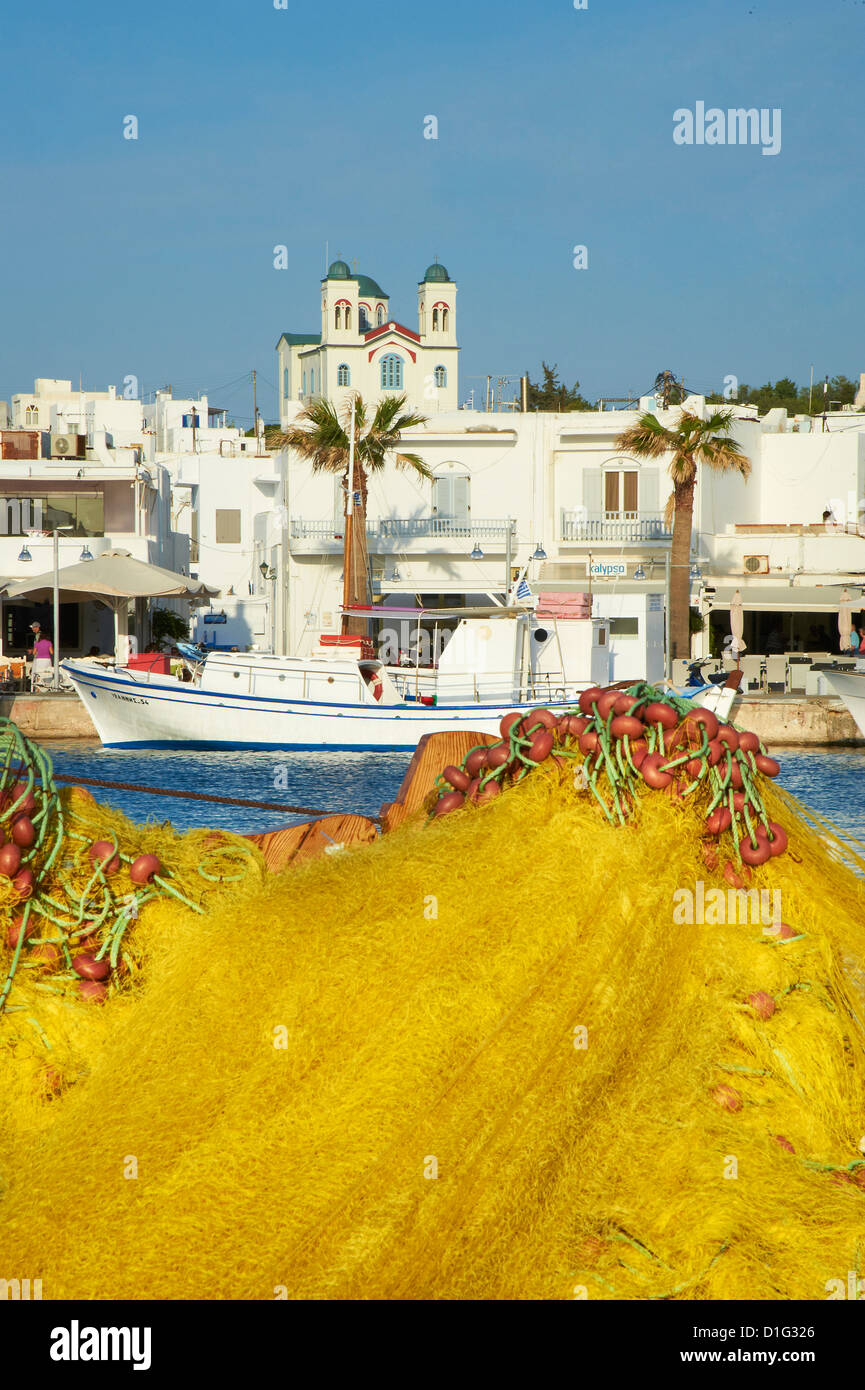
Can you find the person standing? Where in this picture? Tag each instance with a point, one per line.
(42, 653)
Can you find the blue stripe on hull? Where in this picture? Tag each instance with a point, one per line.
(213, 747)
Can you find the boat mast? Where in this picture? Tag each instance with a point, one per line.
(347, 543)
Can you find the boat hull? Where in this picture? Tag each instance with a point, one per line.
(131, 712)
(849, 686)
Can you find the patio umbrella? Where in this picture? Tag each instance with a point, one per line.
(737, 626)
(845, 620)
(114, 578)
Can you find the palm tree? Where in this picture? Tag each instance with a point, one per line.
(322, 437)
(692, 442)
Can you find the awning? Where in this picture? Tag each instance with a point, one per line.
(115, 574)
(784, 598)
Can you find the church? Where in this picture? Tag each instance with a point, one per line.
(361, 347)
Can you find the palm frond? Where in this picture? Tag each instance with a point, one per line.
(648, 438)
(414, 461)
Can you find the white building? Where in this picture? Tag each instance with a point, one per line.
(573, 503)
(54, 406)
(362, 347)
(97, 502)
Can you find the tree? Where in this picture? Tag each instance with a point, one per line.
(167, 626)
(322, 437)
(691, 443)
(552, 395)
(785, 394)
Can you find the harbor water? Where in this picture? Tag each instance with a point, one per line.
(830, 780)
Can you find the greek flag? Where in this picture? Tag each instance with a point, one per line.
(523, 590)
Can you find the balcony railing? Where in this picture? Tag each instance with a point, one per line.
(629, 526)
(406, 528)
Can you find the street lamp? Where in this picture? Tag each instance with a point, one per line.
(25, 555)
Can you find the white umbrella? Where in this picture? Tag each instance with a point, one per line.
(114, 578)
(737, 626)
(845, 620)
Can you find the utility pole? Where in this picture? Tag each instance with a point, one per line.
(255, 411)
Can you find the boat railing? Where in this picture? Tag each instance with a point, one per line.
(489, 687)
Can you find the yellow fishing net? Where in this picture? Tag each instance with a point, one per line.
(481, 1059)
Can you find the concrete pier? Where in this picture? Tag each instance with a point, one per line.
(48, 716)
(789, 720)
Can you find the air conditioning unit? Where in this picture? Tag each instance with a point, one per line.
(756, 564)
(69, 446)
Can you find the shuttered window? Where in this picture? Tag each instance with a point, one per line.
(227, 527)
(611, 494)
(630, 492)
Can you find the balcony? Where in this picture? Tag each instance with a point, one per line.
(628, 527)
(392, 535)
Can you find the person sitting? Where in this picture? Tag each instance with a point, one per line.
(861, 648)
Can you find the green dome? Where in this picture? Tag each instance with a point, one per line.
(338, 270)
(366, 285)
(435, 274)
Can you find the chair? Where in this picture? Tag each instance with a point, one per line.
(752, 673)
(777, 675)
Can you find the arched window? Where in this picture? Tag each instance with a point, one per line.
(32, 415)
(391, 372)
(435, 319)
(379, 316)
(337, 317)
(362, 318)
(343, 375)
(285, 382)
(348, 316)
(441, 376)
(445, 317)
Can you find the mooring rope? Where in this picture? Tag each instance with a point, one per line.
(203, 796)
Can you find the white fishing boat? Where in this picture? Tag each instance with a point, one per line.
(498, 659)
(848, 683)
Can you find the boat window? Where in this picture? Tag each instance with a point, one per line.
(624, 627)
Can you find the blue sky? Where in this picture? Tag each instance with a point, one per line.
(303, 126)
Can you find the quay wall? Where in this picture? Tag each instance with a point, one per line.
(48, 716)
(819, 719)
